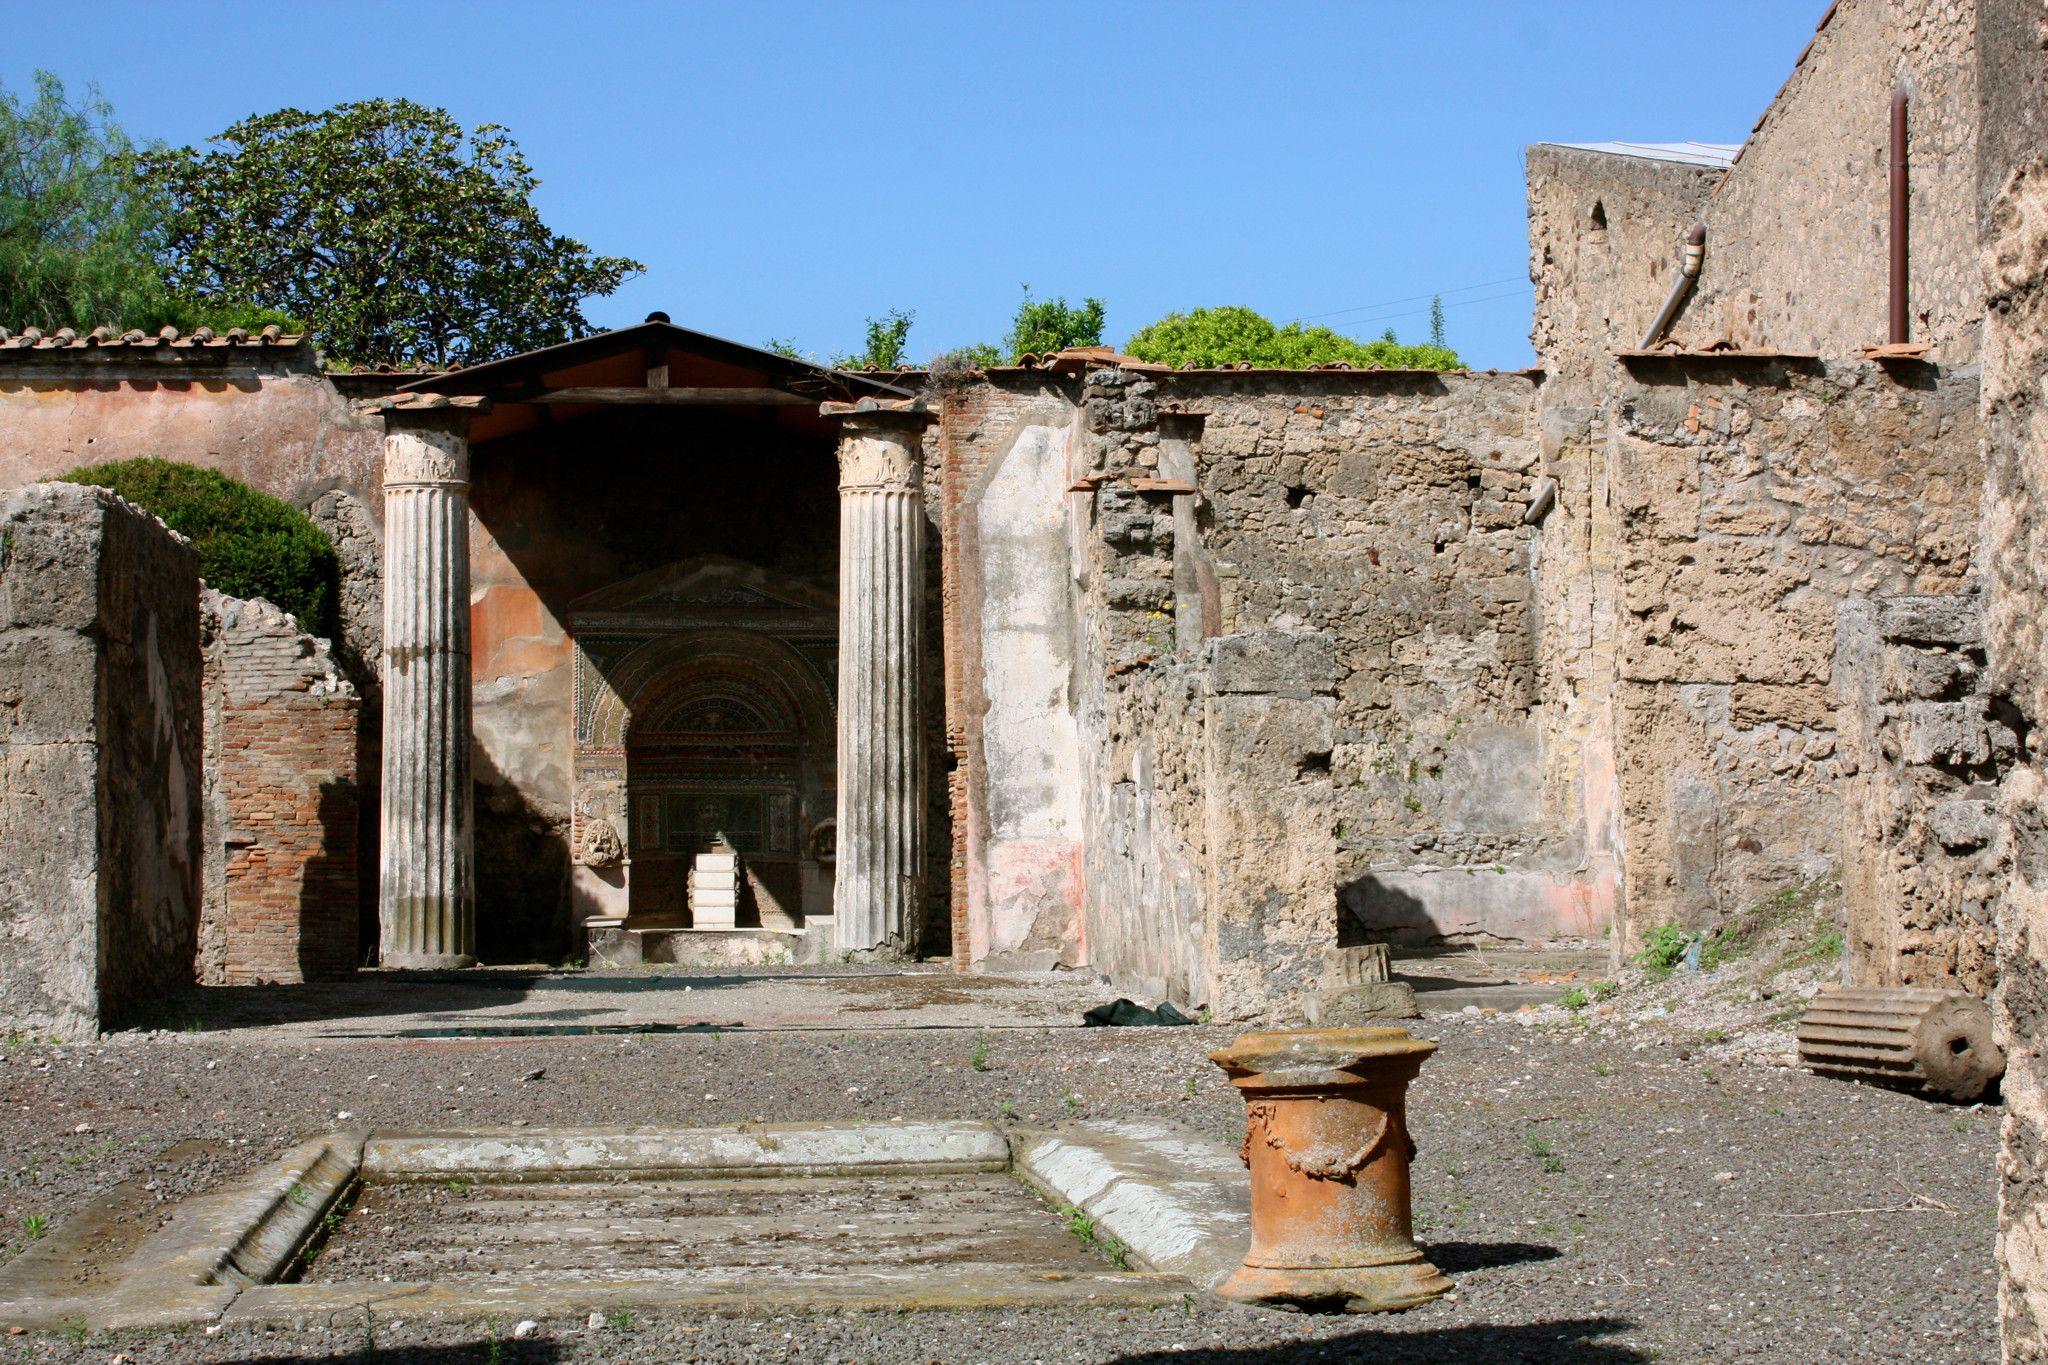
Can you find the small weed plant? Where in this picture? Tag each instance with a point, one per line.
(35, 1225)
(978, 1059)
(1663, 951)
(1087, 1234)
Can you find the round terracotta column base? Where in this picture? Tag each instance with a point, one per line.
(1351, 1289)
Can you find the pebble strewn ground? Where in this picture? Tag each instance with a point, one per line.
(1609, 1188)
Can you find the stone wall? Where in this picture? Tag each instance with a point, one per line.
(100, 802)
(1394, 512)
(2016, 570)
(1921, 750)
(1605, 243)
(1798, 234)
(1754, 500)
(281, 801)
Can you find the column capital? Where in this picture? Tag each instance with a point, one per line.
(881, 446)
(426, 438)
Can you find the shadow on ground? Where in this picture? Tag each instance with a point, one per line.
(1462, 1258)
(1574, 1339)
(498, 1352)
(209, 1009)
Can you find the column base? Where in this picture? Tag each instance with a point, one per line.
(1351, 1289)
(425, 962)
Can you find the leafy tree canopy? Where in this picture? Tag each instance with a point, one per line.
(78, 232)
(885, 348)
(1211, 337)
(397, 236)
(1043, 326)
(249, 543)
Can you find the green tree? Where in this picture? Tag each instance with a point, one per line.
(1043, 326)
(1436, 320)
(77, 234)
(397, 236)
(249, 543)
(1211, 337)
(885, 349)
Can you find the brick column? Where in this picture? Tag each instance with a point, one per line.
(878, 899)
(427, 889)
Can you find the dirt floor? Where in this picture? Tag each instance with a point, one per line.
(1638, 1178)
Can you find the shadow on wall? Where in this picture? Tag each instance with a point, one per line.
(1370, 911)
(522, 871)
(328, 903)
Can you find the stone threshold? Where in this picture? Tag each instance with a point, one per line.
(1176, 1202)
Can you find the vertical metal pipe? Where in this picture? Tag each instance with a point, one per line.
(1901, 217)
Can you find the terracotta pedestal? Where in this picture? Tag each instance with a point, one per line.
(1326, 1138)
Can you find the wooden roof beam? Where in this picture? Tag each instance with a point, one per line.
(659, 397)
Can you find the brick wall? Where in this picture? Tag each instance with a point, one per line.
(281, 736)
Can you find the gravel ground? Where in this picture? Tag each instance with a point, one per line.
(1604, 1187)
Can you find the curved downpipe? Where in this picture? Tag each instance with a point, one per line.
(1681, 288)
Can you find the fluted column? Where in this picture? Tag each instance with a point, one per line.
(878, 899)
(427, 891)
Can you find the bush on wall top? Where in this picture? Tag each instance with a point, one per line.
(1211, 337)
(249, 543)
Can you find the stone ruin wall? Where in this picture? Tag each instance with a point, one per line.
(1798, 234)
(1755, 500)
(1382, 515)
(282, 806)
(1922, 749)
(1392, 511)
(2016, 569)
(100, 799)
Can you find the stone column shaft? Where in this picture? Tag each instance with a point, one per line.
(878, 899)
(427, 897)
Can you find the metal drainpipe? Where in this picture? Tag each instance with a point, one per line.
(1901, 218)
(1688, 275)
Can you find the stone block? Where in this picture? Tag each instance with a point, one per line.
(1951, 732)
(1281, 663)
(1947, 620)
(1963, 824)
(1342, 1005)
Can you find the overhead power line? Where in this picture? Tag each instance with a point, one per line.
(1449, 306)
(1445, 294)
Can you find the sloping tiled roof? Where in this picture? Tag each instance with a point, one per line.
(107, 339)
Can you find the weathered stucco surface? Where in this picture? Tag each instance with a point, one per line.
(1030, 743)
(100, 800)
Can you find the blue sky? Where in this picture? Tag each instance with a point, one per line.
(790, 169)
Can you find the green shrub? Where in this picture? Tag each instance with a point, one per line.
(1043, 326)
(1212, 337)
(1664, 950)
(249, 543)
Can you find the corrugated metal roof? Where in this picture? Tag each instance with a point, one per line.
(1691, 153)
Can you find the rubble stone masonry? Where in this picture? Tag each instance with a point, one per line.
(281, 719)
(1754, 499)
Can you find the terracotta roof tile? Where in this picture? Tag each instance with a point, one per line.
(107, 339)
